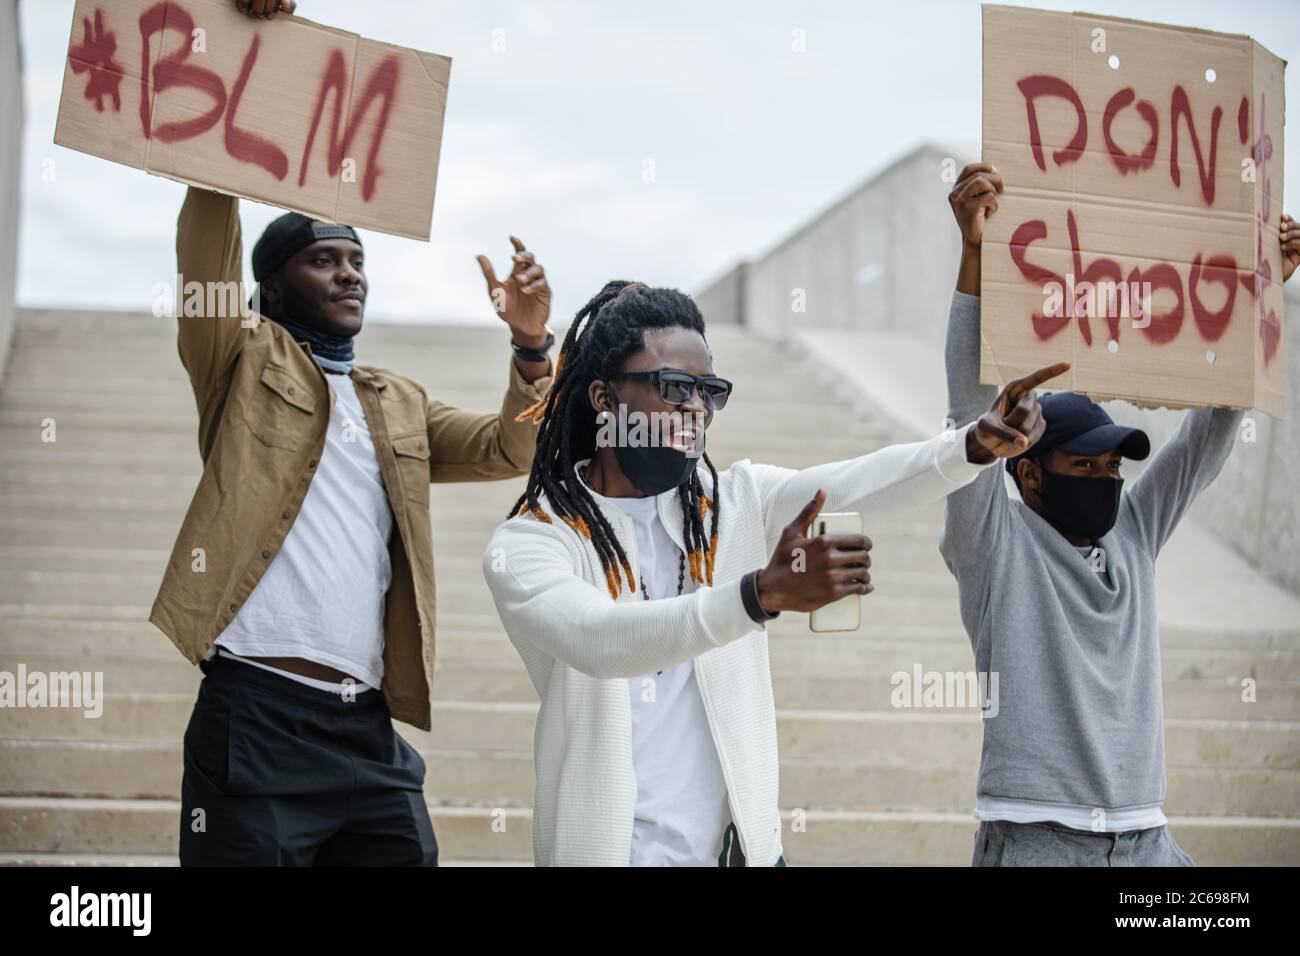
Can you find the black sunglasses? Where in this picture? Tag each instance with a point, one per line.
(676, 387)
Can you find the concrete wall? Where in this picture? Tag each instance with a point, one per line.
(11, 137)
(874, 260)
(722, 302)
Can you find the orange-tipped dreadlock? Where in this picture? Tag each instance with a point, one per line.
(605, 333)
(537, 411)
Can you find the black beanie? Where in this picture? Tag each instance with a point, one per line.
(289, 234)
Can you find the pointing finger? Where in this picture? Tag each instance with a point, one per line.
(1019, 386)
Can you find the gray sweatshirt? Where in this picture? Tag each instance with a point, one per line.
(1079, 717)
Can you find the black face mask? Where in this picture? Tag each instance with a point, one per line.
(654, 469)
(1080, 504)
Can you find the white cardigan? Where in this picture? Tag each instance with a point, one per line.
(580, 647)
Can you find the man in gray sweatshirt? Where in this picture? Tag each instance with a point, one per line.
(1058, 596)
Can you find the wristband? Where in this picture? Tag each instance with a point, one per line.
(749, 595)
(535, 355)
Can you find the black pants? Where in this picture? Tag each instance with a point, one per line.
(278, 773)
(731, 855)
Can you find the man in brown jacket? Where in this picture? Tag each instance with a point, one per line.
(302, 579)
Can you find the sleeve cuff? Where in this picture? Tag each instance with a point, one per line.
(723, 614)
(950, 456)
(530, 391)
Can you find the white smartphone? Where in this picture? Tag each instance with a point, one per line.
(846, 613)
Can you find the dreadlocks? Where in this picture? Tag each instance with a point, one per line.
(605, 332)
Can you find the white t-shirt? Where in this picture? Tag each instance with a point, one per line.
(322, 597)
(681, 802)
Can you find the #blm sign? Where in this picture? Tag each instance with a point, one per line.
(289, 112)
(1138, 233)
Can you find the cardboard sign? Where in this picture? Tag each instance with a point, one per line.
(1138, 233)
(287, 112)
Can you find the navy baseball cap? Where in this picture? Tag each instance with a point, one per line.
(1079, 426)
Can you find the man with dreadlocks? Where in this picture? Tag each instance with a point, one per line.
(302, 579)
(637, 587)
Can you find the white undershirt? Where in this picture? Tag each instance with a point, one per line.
(322, 597)
(1077, 818)
(681, 802)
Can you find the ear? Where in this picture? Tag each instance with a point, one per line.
(601, 400)
(270, 290)
(1030, 474)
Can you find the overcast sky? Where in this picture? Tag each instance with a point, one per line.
(548, 138)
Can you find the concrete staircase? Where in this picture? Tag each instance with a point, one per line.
(86, 523)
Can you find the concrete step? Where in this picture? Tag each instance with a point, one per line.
(151, 769)
(56, 825)
(86, 525)
(877, 651)
(889, 657)
(862, 736)
(80, 860)
(848, 837)
(25, 627)
(460, 675)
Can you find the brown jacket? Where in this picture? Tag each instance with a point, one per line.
(264, 406)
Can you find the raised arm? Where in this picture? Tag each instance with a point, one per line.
(973, 200)
(474, 446)
(1193, 458)
(910, 475)
(891, 479)
(468, 446)
(975, 517)
(209, 252)
(905, 476)
(1181, 470)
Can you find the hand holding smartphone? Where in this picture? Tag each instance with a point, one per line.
(844, 614)
(821, 565)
